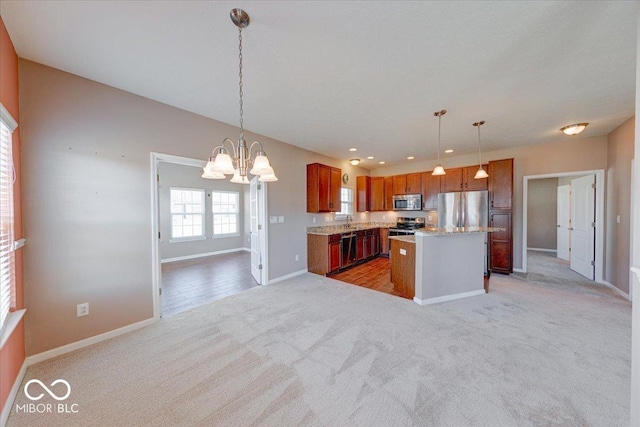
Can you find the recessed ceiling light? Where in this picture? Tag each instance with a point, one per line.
(381, 163)
(353, 149)
(410, 158)
(449, 151)
(370, 157)
(574, 129)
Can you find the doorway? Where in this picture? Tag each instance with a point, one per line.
(207, 255)
(584, 235)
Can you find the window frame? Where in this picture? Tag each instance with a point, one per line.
(236, 213)
(202, 236)
(340, 216)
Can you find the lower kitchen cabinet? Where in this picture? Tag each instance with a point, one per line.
(384, 242)
(323, 253)
(403, 268)
(334, 256)
(500, 243)
(328, 254)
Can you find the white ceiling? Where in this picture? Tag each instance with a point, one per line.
(328, 76)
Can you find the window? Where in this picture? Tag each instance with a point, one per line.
(187, 213)
(7, 178)
(346, 202)
(225, 206)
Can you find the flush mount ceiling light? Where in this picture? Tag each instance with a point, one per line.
(439, 170)
(410, 158)
(236, 159)
(381, 163)
(574, 129)
(353, 149)
(481, 174)
(449, 151)
(354, 162)
(370, 158)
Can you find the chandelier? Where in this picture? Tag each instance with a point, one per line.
(481, 174)
(229, 158)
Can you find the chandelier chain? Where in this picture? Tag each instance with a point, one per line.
(240, 85)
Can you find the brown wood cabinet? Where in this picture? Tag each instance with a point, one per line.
(399, 184)
(469, 183)
(501, 243)
(403, 268)
(500, 184)
(500, 211)
(384, 242)
(377, 194)
(388, 193)
(363, 194)
(452, 181)
(323, 253)
(323, 188)
(430, 190)
(414, 183)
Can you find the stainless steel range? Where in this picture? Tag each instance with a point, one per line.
(406, 226)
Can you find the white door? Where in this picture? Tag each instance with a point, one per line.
(582, 225)
(256, 256)
(563, 224)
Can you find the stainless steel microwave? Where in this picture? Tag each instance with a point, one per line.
(407, 202)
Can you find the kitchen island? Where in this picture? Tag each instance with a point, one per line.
(449, 263)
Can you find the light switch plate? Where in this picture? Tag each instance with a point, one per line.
(403, 251)
(281, 218)
(273, 219)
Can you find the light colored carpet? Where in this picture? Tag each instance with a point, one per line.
(315, 351)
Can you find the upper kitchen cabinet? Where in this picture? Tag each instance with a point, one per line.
(363, 194)
(323, 188)
(388, 193)
(452, 181)
(469, 183)
(500, 184)
(430, 190)
(407, 184)
(377, 193)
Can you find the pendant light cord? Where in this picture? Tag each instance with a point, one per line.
(240, 85)
(479, 151)
(439, 121)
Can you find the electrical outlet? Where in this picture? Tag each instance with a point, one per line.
(618, 219)
(297, 257)
(384, 217)
(314, 219)
(430, 218)
(82, 309)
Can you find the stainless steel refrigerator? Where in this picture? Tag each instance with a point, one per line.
(465, 209)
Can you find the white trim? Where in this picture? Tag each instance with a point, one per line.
(542, 250)
(601, 225)
(632, 290)
(8, 405)
(288, 276)
(226, 235)
(45, 355)
(182, 258)
(448, 297)
(19, 243)
(518, 270)
(247, 249)
(10, 325)
(187, 239)
(7, 118)
(616, 290)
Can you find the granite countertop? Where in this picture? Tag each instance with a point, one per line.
(406, 238)
(327, 230)
(456, 230)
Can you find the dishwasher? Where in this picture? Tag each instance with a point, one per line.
(348, 249)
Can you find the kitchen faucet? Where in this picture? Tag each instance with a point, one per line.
(349, 220)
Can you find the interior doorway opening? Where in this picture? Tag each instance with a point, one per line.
(202, 244)
(573, 229)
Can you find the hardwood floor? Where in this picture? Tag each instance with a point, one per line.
(190, 283)
(375, 274)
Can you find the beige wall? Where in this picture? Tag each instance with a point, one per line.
(542, 213)
(619, 155)
(175, 175)
(87, 196)
(568, 154)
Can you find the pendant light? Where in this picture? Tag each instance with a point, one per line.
(481, 174)
(234, 158)
(439, 170)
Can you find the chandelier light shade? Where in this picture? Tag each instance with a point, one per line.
(481, 174)
(439, 170)
(354, 162)
(574, 129)
(236, 159)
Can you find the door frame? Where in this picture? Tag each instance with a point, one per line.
(156, 264)
(600, 224)
(262, 220)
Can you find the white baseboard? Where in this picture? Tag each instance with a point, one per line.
(616, 290)
(36, 358)
(288, 276)
(518, 270)
(448, 297)
(246, 249)
(182, 258)
(542, 250)
(4, 416)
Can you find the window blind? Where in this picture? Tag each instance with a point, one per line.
(7, 259)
